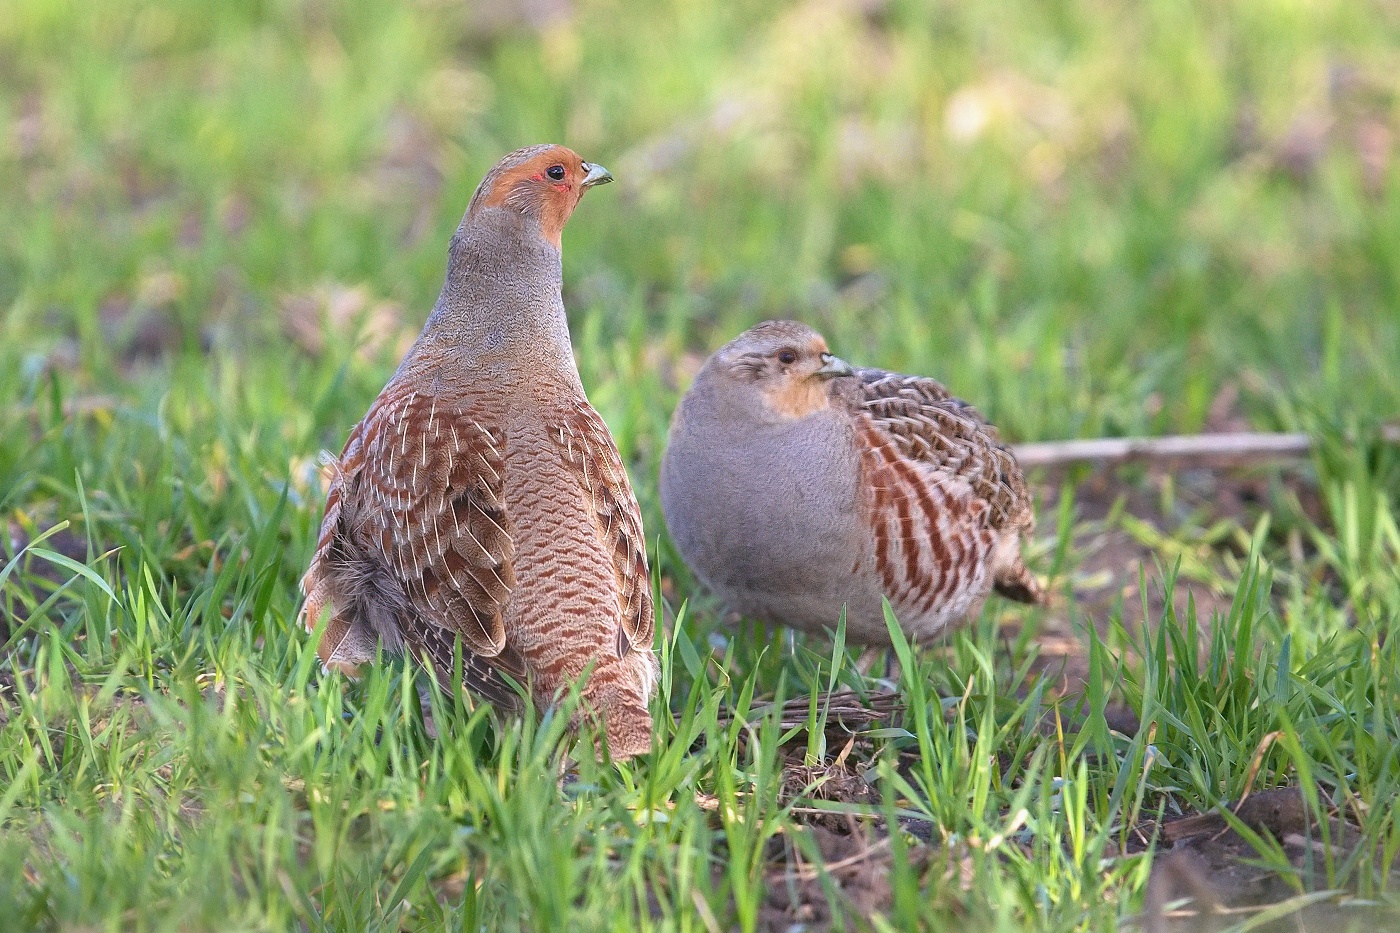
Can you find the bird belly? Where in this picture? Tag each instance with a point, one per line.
(770, 525)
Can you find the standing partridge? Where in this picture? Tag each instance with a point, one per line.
(481, 500)
(794, 485)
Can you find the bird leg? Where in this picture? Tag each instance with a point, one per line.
(865, 664)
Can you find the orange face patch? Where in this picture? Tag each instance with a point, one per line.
(799, 397)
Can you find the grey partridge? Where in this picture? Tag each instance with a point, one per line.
(794, 485)
(482, 500)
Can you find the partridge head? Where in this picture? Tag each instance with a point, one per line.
(480, 514)
(796, 485)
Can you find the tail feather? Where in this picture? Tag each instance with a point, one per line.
(1019, 584)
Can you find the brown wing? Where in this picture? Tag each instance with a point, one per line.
(926, 424)
(589, 450)
(416, 527)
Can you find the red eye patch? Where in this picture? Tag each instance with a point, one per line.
(560, 186)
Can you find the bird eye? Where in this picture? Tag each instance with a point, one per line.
(787, 357)
(555, 172)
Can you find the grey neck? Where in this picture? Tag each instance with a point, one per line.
(501, 313)
(739, 405)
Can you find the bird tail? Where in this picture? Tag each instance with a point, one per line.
(1018, 583)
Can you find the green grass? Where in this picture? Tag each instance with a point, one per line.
(1089, 218)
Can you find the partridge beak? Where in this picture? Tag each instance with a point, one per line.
(834, 366)
(595, 175)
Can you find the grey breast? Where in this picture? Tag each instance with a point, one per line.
(766, 513)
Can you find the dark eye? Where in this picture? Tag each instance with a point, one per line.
(787, 357)
(555, 172)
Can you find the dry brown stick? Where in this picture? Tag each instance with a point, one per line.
(1214, 448)
(811, 874)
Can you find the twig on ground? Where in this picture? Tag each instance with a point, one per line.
(1213, 448)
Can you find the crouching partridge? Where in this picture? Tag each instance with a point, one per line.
(481, 500)
(794, 484)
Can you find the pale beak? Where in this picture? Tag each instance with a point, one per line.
(596, 175)
(834, 366)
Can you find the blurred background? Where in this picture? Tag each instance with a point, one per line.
(1089, 217)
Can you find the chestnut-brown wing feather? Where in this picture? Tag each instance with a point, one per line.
(432, 478)
(588, 450)
(929, 541)
(928, 425)
(416, 528)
